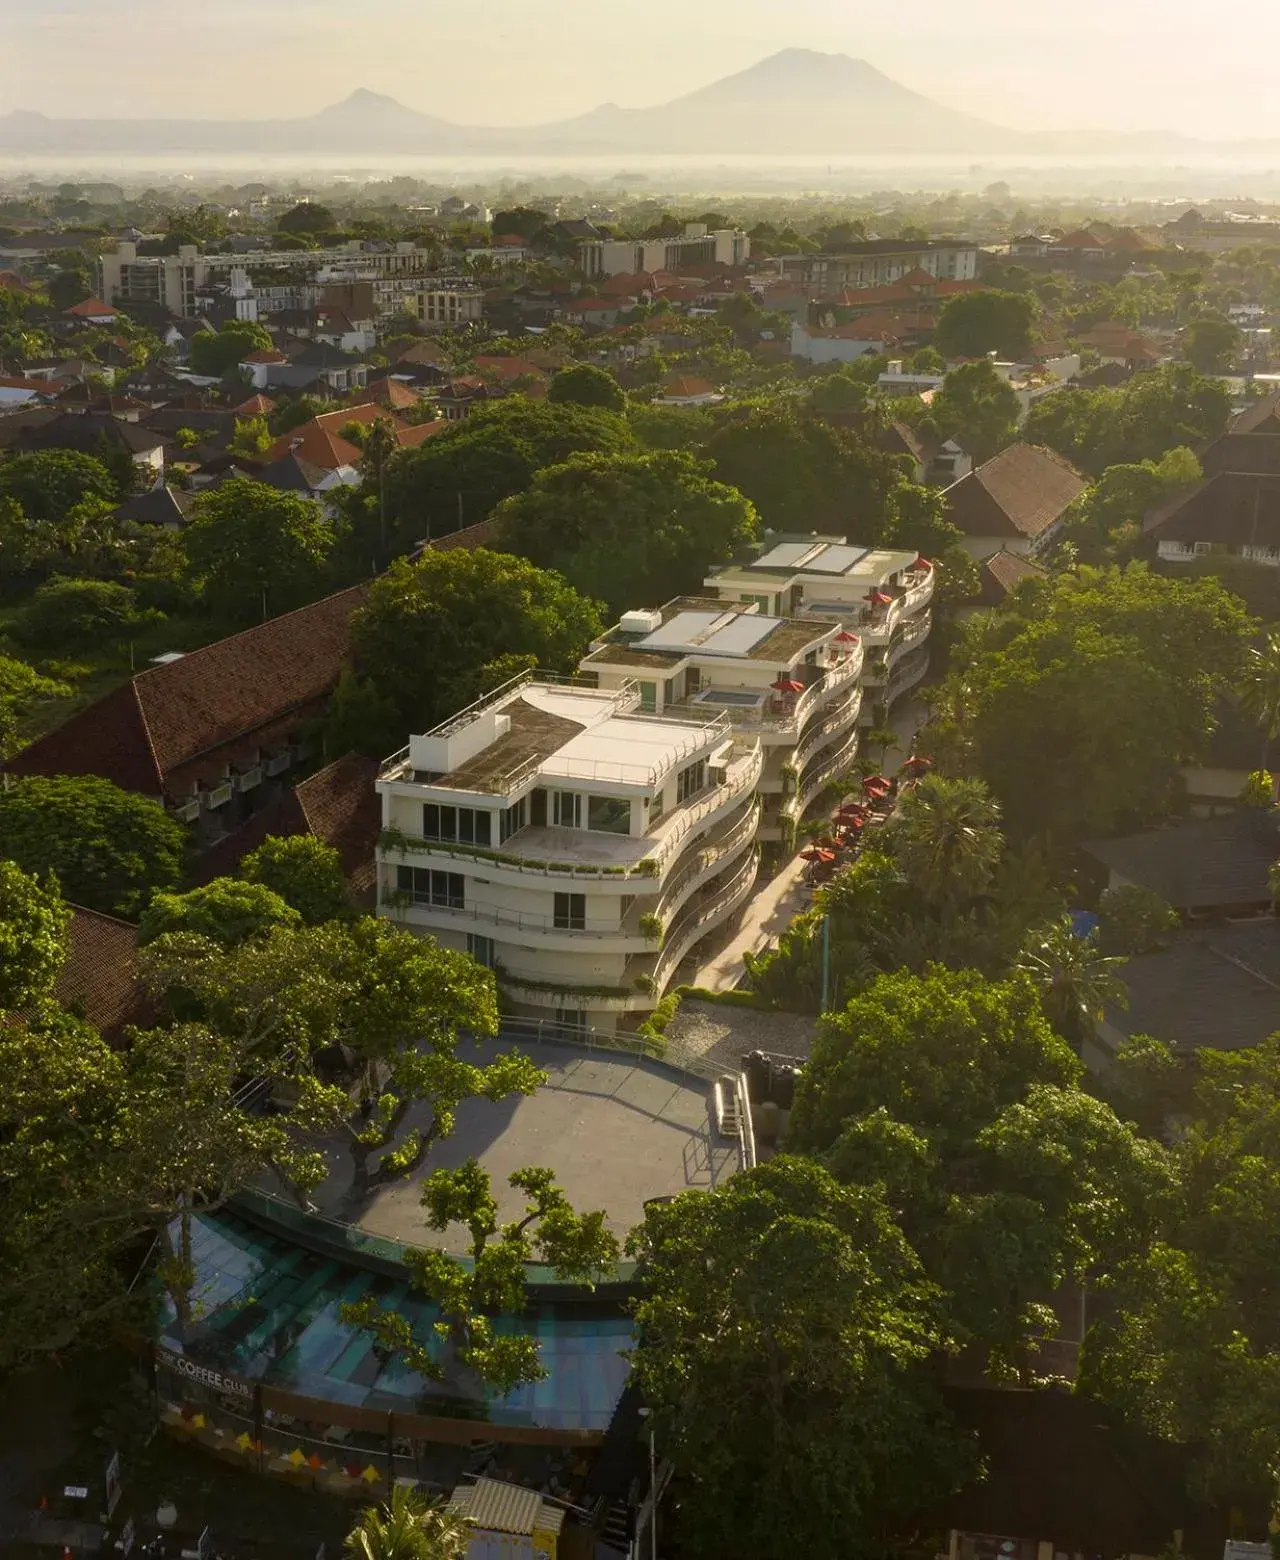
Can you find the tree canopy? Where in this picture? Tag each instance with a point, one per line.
(973, 324)
(979, 408)
(628, 528)
(22, 690)
(586, 385)
(49, 484)
(255, 551)
(33, 937)
(215, 353)
(475, 618)
(225, 911)
(1079, 701)
(111, 849)
(305, 872)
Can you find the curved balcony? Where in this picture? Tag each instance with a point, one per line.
(700, 917)
(634, 860)
(830, 761)
(717, 849)
(911, 671)
(845, 714)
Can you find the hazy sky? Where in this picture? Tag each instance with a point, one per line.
(1128, 64)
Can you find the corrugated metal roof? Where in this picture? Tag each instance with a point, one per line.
(498, 1507)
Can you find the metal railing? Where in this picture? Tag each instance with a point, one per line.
(848, 711)
(696, 919)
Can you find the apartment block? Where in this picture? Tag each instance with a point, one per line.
(880, 261)
(696, 246)
(793, 683)
(577, 843)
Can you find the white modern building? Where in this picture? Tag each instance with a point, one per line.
(793, 683)
(881, 594)
(576, 843)
(695, 246)
(439, 305)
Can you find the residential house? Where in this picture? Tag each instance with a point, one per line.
(575, 844)
(99, 980)
(1214, 988)
(17, 392)
(160, 506)
(89, 433)
(92, 311)
(900, 381)
(1015, 502)
(795, 683)
(688, 390)
(601, 312)
(838, 343)
(216, 734)
(1208, 869)
(880, 594)
(1000, 575)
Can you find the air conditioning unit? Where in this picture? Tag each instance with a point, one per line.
(644, 620)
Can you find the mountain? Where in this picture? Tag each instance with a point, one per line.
(795, 102)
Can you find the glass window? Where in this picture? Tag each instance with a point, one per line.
(571, 912)
(609, 814)
(445, 889)
(568, 809)
(470, 825)
(691, 780)
(512, 820)
(481, 950)
(657, 806)
(538, 809)
(648, 697)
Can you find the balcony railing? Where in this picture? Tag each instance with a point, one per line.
(699, 917)
(741, 777)
(848, 712)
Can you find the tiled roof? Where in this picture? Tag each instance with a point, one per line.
(687, 385)
(91, 309)
(265, 355)
(168, 718)
(157, 506)
(1199, 864)
(391, 393)
(99, 981)
(418, 433)
(1218, 988)
(1022, 491)
(256, 406)
(1237, 509)
(1004, 572)
(483, 534)
(84, 431)
(341, 806)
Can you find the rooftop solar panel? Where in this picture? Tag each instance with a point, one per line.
(836, 560)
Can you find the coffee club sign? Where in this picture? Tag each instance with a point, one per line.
(182, 1366)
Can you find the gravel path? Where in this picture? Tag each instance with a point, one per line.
(721, 1034)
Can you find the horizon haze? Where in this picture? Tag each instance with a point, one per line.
(545, 61)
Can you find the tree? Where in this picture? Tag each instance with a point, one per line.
(586, 385)
(408, 1527)
(305, 873)
(946, 838)
(784, 1330)
(307, 217)
(1076, 981)
(111, 850)
(225, 911)
(523, 221)
(1169, 408)
(22, 690)
(627, 528)
(974, 324)
(251, 439)
(255, 551)
(1081, 699)
(215, 353)
(1133, 919)
(81, 615)
(401, 1005)
(50, 484)
(1210, 344)
(457, 478)
(978, 407)
(578, 1247)
(1105, 523)
(1260, 688)
(474, 617)
(33, 937)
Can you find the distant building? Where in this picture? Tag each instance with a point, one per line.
(878, 261)
(1015, 502)
(696, 246)
(446, 306)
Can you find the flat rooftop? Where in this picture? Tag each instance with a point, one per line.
(616, 1129)
(818, 558)
(700, 627)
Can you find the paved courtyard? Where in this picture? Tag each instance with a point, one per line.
(614, 1129)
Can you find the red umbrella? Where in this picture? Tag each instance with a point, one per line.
(917, 764)
(844, 637)
(876, 785)
(880, 599)
(788, 685)
(921, 562)
(817, 853)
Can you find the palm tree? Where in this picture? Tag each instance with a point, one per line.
(1076, 982)
(1260, 689)
(946, 836)
(408, 1528)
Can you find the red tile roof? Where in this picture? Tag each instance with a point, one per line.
(91, 309)
(256, 406)
(265, 355)
(391, 393)
(687, 385)
(1020, 492)
(1002, 573)
(418, 433)
(154, 733)
(99, 981)
(341, 806)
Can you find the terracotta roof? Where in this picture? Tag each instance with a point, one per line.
(628, 285)
(99, 981)
(341, 806)
(1080, 239)
(91, 309)
(1002, 573)
(265, 355)
(595, 305)
(256, 406)
(391, 393)
(483, 534)
(165, 720)
(687, 385)
(418, 433)
(315, 445)
(508, 367)
(1020, 492)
